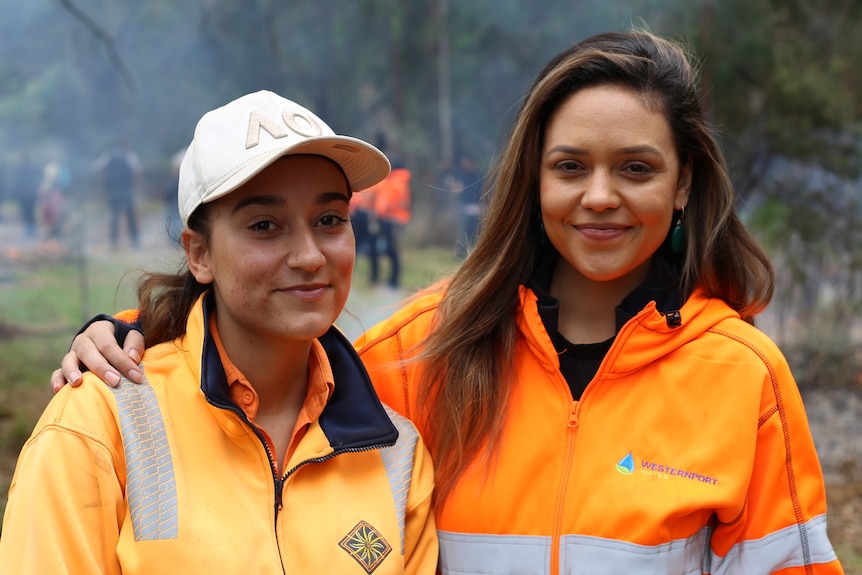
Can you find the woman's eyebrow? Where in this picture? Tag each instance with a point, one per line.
(327, 197)
(644, 148)
(273, 200)
(641, 149)
(567, 150)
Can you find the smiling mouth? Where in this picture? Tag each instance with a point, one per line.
(598, 226)
(307, 292)
(601, 232)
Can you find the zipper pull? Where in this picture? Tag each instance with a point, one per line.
(279, 488)
(573, 414)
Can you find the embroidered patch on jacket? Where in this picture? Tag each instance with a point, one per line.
(366, 545)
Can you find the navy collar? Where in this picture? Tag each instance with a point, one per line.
(354, 417)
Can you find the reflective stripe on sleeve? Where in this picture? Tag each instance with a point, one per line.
(150, 485)
(794, 546)
(398, 462)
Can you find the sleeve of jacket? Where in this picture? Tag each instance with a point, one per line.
(420, 530)
(65, 504)
(387, 350)
(782, 528)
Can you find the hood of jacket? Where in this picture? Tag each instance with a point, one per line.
(646, 337)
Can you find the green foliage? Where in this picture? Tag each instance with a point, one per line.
(784, 83)
(770, 220)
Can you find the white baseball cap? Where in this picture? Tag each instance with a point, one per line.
(235, 142)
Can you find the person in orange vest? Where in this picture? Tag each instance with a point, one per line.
(392, 208)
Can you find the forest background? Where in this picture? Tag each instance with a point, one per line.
(432, 80)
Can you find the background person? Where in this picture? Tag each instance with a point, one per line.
(366, 229)
(392, 211)
(53, 190)
(24, 190)
(590, 382)
(257, 443)
(120, 170)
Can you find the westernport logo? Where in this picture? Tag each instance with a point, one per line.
(626, 466)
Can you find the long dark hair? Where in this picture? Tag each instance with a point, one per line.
(467, 374)
(165, 300)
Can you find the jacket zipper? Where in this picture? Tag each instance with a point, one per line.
(280, 481)
(559, 512)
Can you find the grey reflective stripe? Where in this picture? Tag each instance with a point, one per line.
(579, 555)
(150, 485)
(607, 556)
(464, 554)
(398, 461)
(779, 550)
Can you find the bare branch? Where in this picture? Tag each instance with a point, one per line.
(104, 37)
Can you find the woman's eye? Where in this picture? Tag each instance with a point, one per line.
(568, 166)
(332, 221)
(638, 169)
(262, 226)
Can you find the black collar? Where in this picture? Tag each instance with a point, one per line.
(654, 288)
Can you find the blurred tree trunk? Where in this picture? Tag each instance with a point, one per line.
(444, 97)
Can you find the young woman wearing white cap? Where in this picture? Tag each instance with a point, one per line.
(256, 443)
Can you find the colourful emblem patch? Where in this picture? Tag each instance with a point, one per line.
(366, 545)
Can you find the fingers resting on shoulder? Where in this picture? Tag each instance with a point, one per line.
(96, 350)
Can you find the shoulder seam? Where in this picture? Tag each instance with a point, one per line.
(393, 331)
(782, 414)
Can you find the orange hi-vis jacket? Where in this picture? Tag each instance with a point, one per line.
(171, 476)
(392, 196)
(363, 200)
(689, 452)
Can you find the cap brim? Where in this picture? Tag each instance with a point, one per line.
(363, 164)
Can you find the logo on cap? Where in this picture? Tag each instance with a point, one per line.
(293, 120)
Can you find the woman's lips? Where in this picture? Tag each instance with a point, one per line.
(310, 293)
(601, 232)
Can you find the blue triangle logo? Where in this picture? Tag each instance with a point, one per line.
(626, 465)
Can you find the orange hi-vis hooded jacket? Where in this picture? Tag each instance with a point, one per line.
(689, 452)
(363, 200)
(392, 196)
(170, 476)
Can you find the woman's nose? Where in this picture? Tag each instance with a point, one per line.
(305, 253)
(599, 192)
